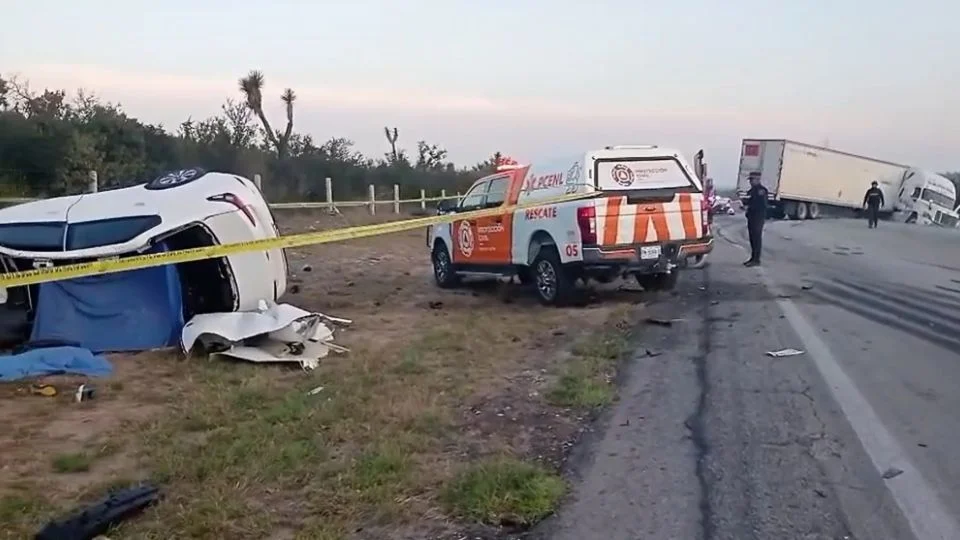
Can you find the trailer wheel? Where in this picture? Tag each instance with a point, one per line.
(802, 212)
(814, 210)
(790, 210)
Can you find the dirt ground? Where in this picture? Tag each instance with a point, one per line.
(453, 409)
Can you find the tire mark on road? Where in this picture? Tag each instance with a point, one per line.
(696, 421)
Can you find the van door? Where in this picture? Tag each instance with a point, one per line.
(647, 201)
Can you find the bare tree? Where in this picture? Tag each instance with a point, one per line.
(393, 156)
(252, 88)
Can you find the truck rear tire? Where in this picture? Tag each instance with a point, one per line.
(802, 210)
(658, 282)
(444, 272)
(554, 285)
(813, 210)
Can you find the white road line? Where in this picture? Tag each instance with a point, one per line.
(920, 505)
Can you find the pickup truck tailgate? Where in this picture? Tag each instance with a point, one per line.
(638, 218)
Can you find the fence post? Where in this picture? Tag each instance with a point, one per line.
(94, 184)
(373, 200)
(396, 199)
(329, 187)
(458, 196)
(423, 199)
(443, 193)
(258, 181)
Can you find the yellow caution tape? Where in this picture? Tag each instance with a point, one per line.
(136, 262)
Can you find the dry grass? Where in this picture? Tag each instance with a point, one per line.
(451, 405)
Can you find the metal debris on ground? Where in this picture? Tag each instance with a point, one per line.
(273, 333)
(84, 392)
(315, 391)
(784, 352)
(662, 322)
(806, 287)
(892, 472)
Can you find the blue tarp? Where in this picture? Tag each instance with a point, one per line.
(53, 361)
(126, 311)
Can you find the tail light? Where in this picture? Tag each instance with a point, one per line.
(587, 222)
(237, 202)
(705, 215)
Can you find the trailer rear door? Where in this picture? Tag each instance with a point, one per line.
(760, 157)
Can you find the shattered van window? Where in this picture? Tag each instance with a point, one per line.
(106, 232)
(39, 236)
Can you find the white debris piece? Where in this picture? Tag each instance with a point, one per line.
(784, 352)
(273, 333)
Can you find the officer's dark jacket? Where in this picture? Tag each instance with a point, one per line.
(757, 202)
(873, 198)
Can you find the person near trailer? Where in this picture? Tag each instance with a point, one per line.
(756, 216)
(873, 201)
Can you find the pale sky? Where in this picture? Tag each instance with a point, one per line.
(531, 78)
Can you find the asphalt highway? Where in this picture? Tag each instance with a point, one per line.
(855, 438)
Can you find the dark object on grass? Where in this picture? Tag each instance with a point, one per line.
(99, 517)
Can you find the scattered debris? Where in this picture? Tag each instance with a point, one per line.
(306, 268)
(820, 493)
(47, 390)
(662, 322)
(625, 423)
(84, 392)
(293, 289)
(784, 352)
(435, 304)
(921, 445)
(102, 516)
(806, 286)
(315, 391)
(784, 295)
(652, 353)
(892, 472)
(715, 303)
(273, 333)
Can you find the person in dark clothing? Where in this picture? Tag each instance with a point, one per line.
(873, 201)
(756, 215)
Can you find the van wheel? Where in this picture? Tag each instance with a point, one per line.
(658, 282)
(443, 270)
(554, 284)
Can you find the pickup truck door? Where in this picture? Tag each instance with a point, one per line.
(495, 233)
(485, 240)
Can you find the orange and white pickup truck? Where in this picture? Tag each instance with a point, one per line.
(645, 214)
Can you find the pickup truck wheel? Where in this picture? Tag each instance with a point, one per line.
(658, 282)
(554, 286)
(443, 271)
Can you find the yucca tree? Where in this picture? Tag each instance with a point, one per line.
(252, 88)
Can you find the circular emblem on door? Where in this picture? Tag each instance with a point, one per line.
(465, 238)
(622, 175)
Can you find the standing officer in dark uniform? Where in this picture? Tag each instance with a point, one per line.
(756, 215)
(873, 200)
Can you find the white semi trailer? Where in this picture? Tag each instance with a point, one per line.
(807, 181)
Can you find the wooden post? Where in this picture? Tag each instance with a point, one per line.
(94, 184)
(423, 199)
(329, 186)
(373, 200)
(396, 199)
(443, 193)
(258, 181)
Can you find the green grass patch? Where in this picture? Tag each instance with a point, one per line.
(72, 462)
(586, 379)
(504, 490)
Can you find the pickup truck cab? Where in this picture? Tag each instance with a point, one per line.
(644, 214)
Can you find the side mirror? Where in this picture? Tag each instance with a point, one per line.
(447, 206)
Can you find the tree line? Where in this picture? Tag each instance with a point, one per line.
(50, 141)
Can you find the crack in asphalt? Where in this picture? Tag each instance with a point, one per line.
(696, 421)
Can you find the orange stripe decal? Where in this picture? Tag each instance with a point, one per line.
(686, 214)
(611, 221)
(647, 214)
